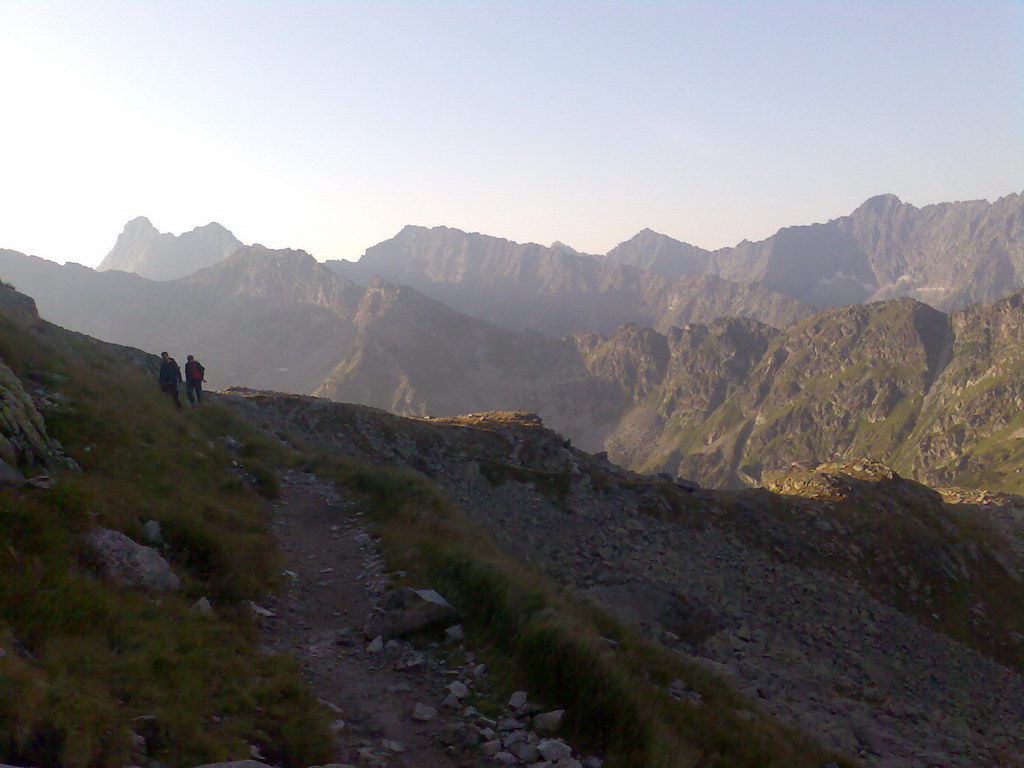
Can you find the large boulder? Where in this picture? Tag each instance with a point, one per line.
(124, 561)
(406, 610)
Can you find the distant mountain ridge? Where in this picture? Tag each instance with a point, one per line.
(947, 255)
(556, 290)
(142, 249)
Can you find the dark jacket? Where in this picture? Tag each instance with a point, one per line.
(170, 374)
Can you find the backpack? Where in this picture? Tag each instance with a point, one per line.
(196, 372)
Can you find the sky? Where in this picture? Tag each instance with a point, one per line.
(328, 126)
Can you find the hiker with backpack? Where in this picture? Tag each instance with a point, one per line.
(170, 375)
(194, 378)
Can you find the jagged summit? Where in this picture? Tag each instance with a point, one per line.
(879, 204)
(662, 255)
(144, 250)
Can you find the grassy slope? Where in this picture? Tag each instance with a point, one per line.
(82, 659)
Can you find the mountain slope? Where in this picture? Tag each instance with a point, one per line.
(415, 356)
(936, 396)
(100, 649)
(858, 605)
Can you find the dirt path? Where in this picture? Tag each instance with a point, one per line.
(319, 618)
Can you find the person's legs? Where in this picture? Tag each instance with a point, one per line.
(199, 391)
(188, 391)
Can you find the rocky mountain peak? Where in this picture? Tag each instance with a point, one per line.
(879, 205)
(662, 255)
(140, 225)
(144, 250)
(284, 275)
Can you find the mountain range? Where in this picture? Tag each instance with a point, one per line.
(717, 381)
(946, 255)
(556, 290)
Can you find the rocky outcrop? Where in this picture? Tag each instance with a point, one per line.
(25, 448)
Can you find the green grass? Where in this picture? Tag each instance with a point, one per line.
(611, 682)
(82, 658)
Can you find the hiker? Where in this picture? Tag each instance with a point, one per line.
(170, 375)
(194, 378)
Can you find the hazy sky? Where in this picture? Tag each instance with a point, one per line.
(328, 126)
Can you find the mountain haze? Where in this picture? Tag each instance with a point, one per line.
(556, 290)
(141, 249)
(280, 320)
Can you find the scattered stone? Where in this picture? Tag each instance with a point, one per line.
(458, 689)
(517, 700)
(549, 721)
(491, 747)
(259, 610)
(376, 646)
(136, 743)
(505, 758)
(422, 713)
(406, 610)
(151, 530)
(202, 605)
(525, 751)
(126, 562)
(455, 634)
(554, 749)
